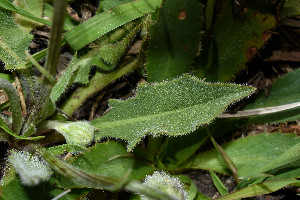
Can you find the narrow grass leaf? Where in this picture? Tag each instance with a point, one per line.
(226, 158)
(218, 183)
(107, 21)
(259, 189)
(106, 5)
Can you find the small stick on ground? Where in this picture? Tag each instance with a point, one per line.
(95, 105)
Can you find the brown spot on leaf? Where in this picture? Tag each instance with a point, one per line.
(264, 19)
(266, 35)
(182, 14)
(250, 53)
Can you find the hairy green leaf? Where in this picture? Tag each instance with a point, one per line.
(250, 154)
(112, 53)
(63, 81)
(174, 108)
(174, 39)
(105, 57)
(76, 133)
(104, 22)
(13, 41)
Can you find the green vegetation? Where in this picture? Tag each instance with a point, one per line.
(159, 131)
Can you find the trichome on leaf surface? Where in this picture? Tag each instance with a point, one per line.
(184, 55)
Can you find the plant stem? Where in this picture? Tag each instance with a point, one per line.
(55, 37)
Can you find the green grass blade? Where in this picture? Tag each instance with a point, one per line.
(259, 189)
(218, 183)
(225, 157)
(104, 22)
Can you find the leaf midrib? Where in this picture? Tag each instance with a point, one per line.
(148, 117)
